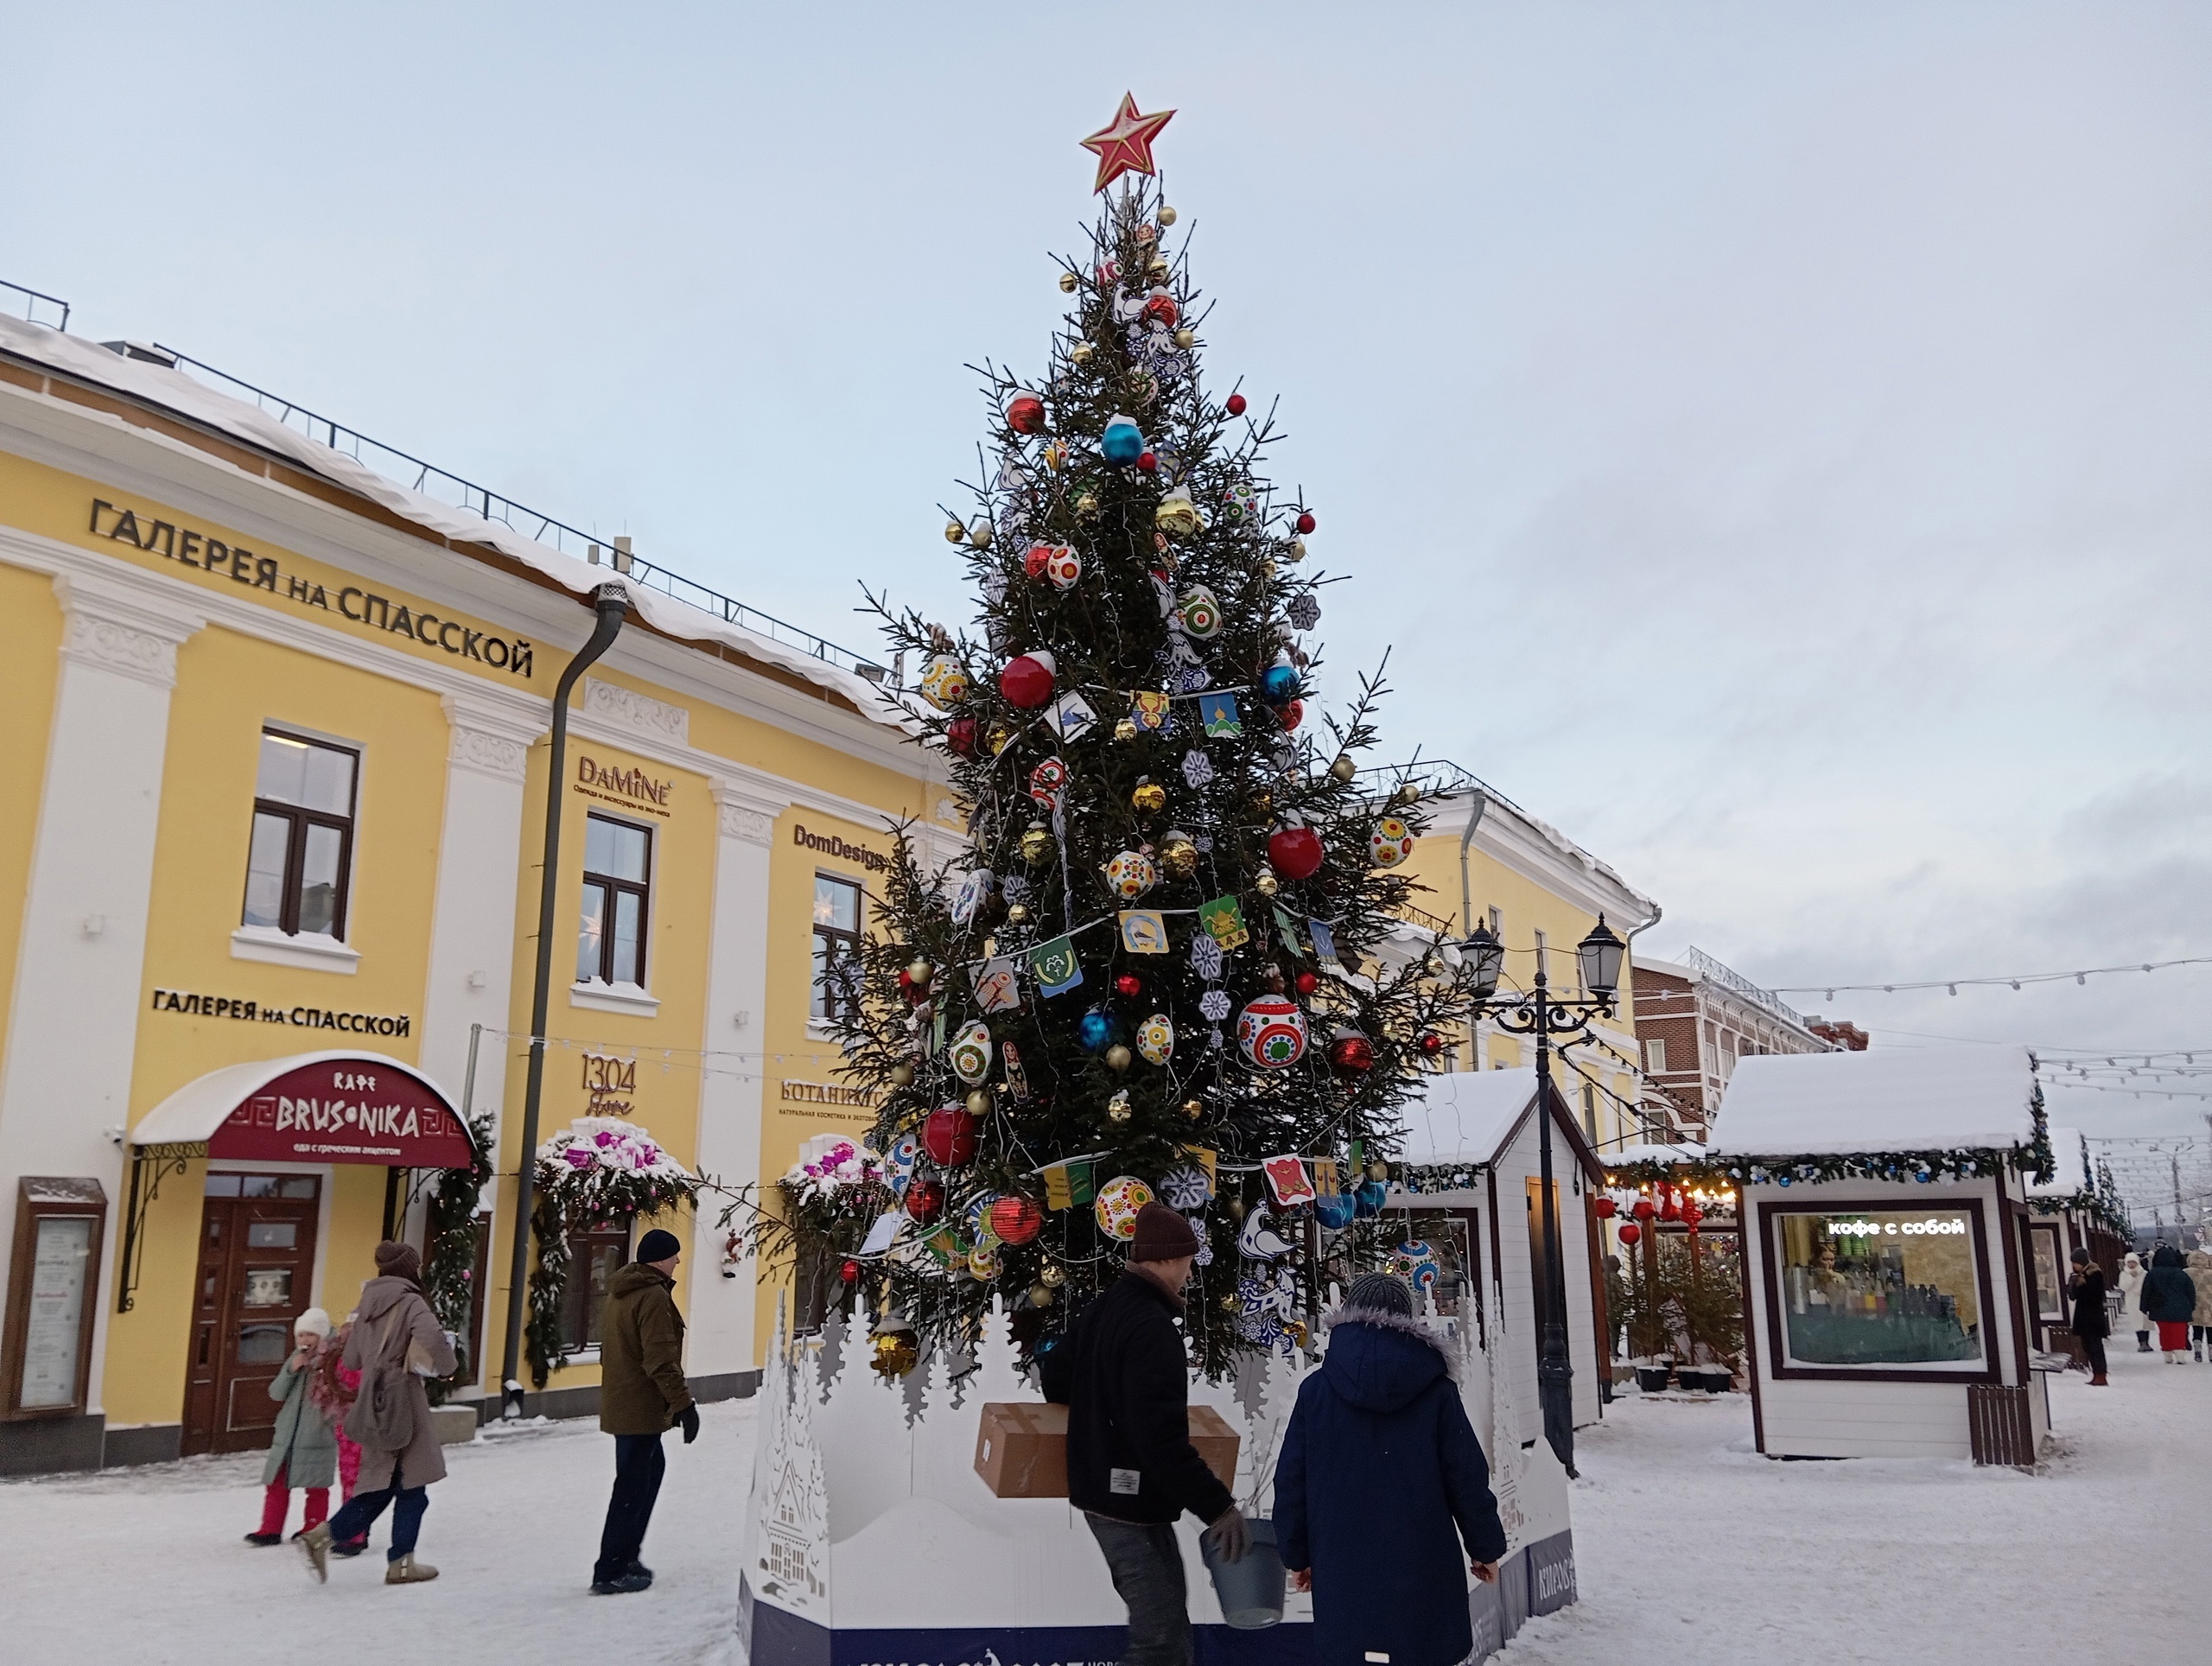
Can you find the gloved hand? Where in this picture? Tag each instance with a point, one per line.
(688, 1420)
(1230, 1537)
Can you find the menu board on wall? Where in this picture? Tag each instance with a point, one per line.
(61, 1258)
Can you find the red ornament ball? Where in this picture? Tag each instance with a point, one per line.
(925, 1201)
(1606, 1208)
(1016, 1220)
(1308, 982)
(1027, 682)
(1644, 1209)
(960, 737)
(1306, 521)
(1234, 404)
(1431, 1045)
(1630, 1232)
(1352, 1055)
(1033, 561)
(1129, 984)
(1295, 853)
(1147, 462)
(1024, 414)
(1291, 713)
(851, 1272)
(949, 1137)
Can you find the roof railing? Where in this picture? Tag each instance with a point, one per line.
(27, 302)
(1703, 963)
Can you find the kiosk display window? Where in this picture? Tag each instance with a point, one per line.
(1881, 1289)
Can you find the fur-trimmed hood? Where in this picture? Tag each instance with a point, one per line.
(1380, 1361)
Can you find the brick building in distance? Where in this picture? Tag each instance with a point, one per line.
(1695, 1018)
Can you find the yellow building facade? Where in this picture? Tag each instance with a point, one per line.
(277, 729)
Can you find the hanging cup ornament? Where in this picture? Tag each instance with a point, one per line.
(1130, 874)
(1123, 441)
(949, 1137)
(1047, 782)
(983, 1264)
(970, 1052)
(1391, 843)
(1295, 853)
(1198, 614)
(1271, 1032)
(1024, 414)
(1027, 682)
(944, 682)
(1156, 1038)
(1117, 1203)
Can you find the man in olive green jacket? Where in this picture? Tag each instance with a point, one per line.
(641, 1395)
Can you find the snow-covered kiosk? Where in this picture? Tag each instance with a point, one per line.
(2074, 1209)
(1885, 1232)
(1467, 1188)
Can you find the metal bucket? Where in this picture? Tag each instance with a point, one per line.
(1250, 1589)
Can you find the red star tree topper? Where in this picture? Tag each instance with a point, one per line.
(1124, 145)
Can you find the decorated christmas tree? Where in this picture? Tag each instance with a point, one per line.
(1152, 975)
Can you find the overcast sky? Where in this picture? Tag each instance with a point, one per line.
(1770, 440)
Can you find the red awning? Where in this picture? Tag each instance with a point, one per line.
(315, 1108)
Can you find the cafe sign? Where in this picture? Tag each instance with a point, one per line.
(318, 1108)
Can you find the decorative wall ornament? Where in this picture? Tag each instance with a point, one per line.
(489, 753)
(118, 647)
(641, 712)
(743, 822)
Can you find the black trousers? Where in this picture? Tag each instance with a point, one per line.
(2094, 1347)
(638, 1465)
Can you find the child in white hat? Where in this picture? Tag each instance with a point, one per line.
(303, 1451)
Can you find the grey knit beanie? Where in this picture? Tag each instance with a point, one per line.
(1381, 1293)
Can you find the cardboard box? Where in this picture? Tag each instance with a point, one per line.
(1021, 1448)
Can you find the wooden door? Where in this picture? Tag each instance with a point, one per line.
(256, 1275)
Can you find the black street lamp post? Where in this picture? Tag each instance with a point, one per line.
(1546, 1016)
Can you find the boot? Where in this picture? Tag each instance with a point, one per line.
(264, 1538)
(2143, 1342)
(2199, 1351)
(408, 1571)
(315, 1543)
(2098, 1382)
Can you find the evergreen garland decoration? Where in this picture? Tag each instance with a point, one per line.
(450, 1265)
(1185, 580)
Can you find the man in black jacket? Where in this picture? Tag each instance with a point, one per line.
(1124, 1377)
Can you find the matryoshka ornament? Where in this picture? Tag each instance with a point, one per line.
(944, 682)
(1271, 1032)
(1156, 1041)
(1391, 842)
(970, 1052)
(1130, 874)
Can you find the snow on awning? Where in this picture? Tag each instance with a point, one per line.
(315, 1108)
(1898, 1099)
(2069, 1166)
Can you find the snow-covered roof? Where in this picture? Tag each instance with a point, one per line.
(1944, 1098)
(1464, 1116)
(2069, 1166)
(1624, 1156)
(174, 390)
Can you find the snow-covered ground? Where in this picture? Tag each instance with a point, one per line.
(1691, 1548)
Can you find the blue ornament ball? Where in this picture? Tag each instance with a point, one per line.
(1123, 441)
(1097, 1031)
(1279, 686)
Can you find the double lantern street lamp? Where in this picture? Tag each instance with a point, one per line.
(1545, 1015)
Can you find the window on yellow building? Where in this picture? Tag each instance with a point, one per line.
(594, 1257)
(618, 878)
(302, 846)
(836, 945)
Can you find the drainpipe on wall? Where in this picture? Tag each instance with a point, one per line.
(611, 601)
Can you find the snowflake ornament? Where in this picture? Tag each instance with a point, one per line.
(1305, 612)
(1213, 1005)
(1205, 960)
(1197, 768)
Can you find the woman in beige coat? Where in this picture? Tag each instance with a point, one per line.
(396, 1340)
(2200, 1274)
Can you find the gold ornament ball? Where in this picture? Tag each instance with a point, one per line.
(1407, 795)
(979, 1103)
(895, 1354)
(1179, 856)
(1166, 215)
(1149, 800)
(1295, 550)
(980, 535)
(919, 971)
(1265, 881)
(1117, 1109)
(1001, 737)
(1186, 339)
(1378, 1171)
(1017, 913)
(1117, 1056)
(1228, 1303)
(1178, 517)
(1343, 769)
(1068, 283)
(902, 1075)
(1040, 1296)
(1081, 352)
(1086, 504)
(1157, 266)
(1126, 729)
(1263, 802)
(1037, 844)
(1052, 1276)
(1267, 568)
(955, 532)
(1194, 1108)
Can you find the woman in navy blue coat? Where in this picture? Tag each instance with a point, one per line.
(1380, 1484)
